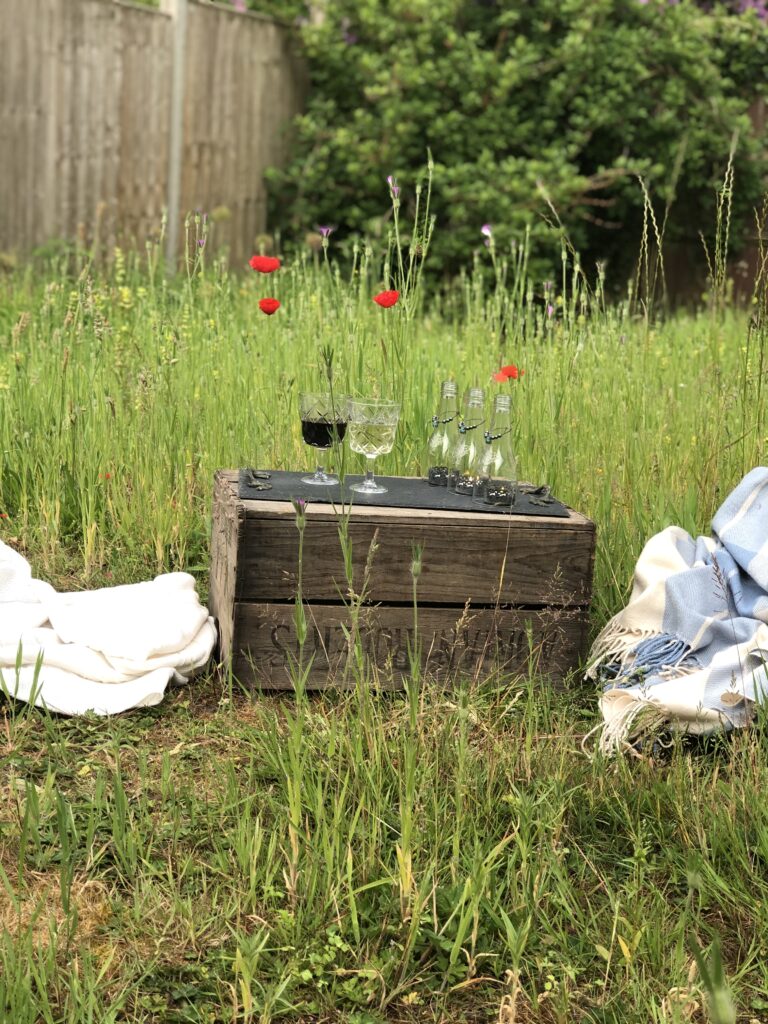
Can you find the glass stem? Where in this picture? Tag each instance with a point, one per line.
(369, 470)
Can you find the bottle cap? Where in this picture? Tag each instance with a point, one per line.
(449, 388)
(476, 396)
(503, 403)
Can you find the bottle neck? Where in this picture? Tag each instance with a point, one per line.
(447, 412)
(501, 426)
(471, 418)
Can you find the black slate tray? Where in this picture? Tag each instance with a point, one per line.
(402, 492)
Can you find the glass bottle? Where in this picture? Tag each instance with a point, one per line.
(495, 470)
(463, 452)
(440, 438)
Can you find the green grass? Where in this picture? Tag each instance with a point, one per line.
(442, 855)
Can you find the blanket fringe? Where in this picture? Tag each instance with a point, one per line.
(620, 647)
(615, 734)
(615, 645)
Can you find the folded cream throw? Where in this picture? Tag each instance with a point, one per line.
(100, 650)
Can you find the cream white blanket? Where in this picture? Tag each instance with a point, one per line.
(100, 650)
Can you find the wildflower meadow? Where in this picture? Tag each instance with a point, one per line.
(441, 853)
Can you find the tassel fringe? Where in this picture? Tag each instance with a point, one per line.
(644, 652)
(615, 645)
(637, 719)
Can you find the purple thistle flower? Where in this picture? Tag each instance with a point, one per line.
(487, 230)
(550, 309)
(201, 242)
(394, 188)
(325, 229)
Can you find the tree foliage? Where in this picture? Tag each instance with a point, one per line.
(519, 103)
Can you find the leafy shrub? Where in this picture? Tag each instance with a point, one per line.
(517, 100)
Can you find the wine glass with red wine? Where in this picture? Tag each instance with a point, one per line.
(323, 425)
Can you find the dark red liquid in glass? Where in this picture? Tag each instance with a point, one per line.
(321, 433)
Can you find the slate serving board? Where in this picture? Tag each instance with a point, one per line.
(402, 492)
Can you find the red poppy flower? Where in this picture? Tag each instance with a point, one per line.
(269, 306)
(264, 264)
(386, 299)
(506, 373)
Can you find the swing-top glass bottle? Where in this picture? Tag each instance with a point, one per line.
(466, 444)
(439, 442)
(495, 470)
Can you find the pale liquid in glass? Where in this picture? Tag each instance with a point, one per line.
(371, 439)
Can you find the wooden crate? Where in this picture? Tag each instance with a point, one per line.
(507, 591)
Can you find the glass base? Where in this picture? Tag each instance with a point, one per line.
(320, 479)
(437, 476)
(368, 487)
(502, 493)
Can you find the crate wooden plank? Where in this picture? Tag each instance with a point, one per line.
(453, 643)
(490, 560)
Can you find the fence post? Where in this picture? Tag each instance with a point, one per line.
(178, 12)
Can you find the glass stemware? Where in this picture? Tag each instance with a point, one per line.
(372, 426)
(324, 418)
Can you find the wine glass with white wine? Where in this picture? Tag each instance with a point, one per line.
(372, 426)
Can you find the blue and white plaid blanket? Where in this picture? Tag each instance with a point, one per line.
(690, 649)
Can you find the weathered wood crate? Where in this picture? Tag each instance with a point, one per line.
(494, 591)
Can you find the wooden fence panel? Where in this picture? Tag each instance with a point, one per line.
(85, 94)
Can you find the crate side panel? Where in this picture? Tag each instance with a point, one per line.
(453, 642)
(459, 563)
(226, 539)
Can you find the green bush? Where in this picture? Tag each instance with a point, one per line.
(515, 100)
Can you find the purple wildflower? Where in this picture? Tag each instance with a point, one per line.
(325, 229)
(348, 37)
(300, 508)
(487, 230)
(201, 242)
(758, 6)
(240, 6)
(394, 188)
(550, 309)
